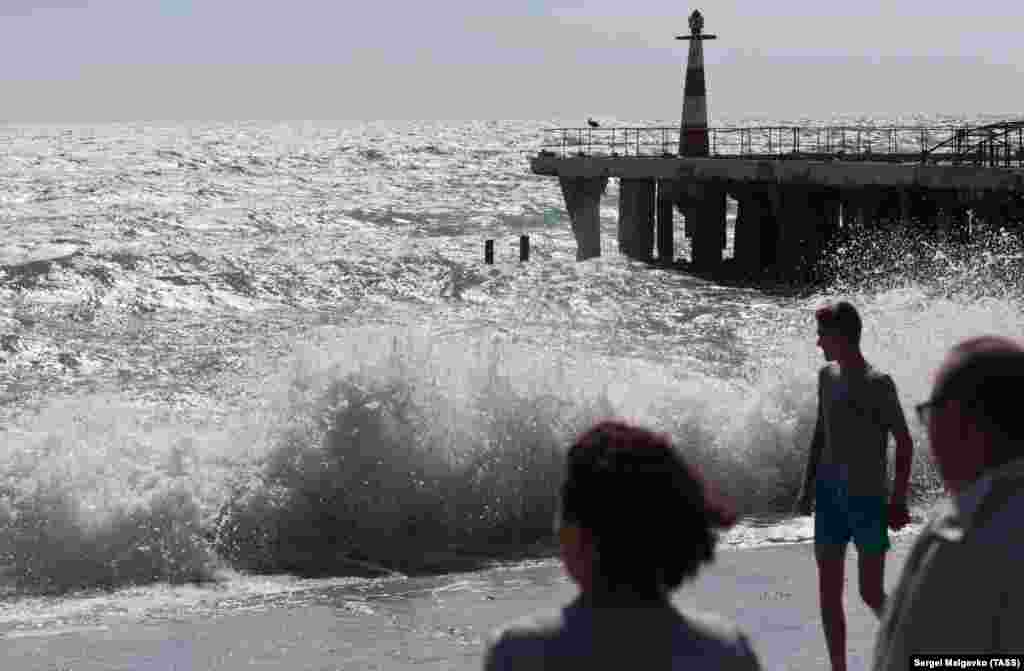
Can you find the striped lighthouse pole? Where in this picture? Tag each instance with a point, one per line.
(693, 130)
(703, 205)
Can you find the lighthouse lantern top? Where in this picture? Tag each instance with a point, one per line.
(696, 22)
(696, 28)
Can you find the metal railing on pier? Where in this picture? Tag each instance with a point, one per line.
(995, 145)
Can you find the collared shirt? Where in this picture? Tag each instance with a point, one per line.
(959, 592)
(966, 502)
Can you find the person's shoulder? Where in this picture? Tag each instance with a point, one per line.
(878, 376)
(991, 551)
(715, 634)
(999, 528)
(533, 641)
(829, 371)
(525, 638)
(543, 626)
(881, 383)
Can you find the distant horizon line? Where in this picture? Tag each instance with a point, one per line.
(552, 119)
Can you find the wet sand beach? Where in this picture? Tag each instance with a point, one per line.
(440, 622)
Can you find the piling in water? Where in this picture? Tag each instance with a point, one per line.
(489, 252)
(524, 248)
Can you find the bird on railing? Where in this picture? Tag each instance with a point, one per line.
(592, 123)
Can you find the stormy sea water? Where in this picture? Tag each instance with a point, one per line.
(248, 351)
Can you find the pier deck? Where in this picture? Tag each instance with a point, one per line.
(793, 170)
(796, 187)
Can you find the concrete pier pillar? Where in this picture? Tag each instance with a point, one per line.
(756, 230)
(583, 201)
(887, 209)
(770, 226)
(745, 232)
(905, 208)
(942, 224)
(990, 211)
(688, 198)
(794, 222)
(862, 214)
(830, 213)
(636, 218)
(860, 208)
(863, 211)
(949, 220)
(665, 230)
(925, 212)
(960, 221)
(846, 210)
(808, 218)
(708, 239)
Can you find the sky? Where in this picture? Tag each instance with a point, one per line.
(137, 60)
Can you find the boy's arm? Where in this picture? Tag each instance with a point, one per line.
(904, 458)
(813, 456)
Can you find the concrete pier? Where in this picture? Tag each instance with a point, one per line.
(756, 229)
(665, 226)
(688, 196)
(906, 207)
(838, 174)
(796, 188)
(636, 217)
(708, 233)
(788, 210)
(807, 219)
(583, 201)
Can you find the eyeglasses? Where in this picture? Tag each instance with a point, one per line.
(925, 410)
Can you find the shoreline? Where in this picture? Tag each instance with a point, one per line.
(461, 559)
(458, 559)
(436, 622)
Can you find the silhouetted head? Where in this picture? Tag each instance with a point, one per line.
(839, 329)
(974, 414)
(635, 519)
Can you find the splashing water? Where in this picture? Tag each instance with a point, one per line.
(324, 383)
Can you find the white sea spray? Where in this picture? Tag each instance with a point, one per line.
(179, 305)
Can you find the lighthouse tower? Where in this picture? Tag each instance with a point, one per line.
(693, 130)
(703, 205)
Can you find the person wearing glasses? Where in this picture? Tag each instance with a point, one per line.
(858, 407)
(635, 521)
(960, 591)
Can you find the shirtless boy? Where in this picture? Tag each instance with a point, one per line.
(858, 407)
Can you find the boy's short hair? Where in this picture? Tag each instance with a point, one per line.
(840, 318)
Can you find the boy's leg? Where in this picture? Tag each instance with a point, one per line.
(871, 578)
(831, 536)
(869, 522)
(831, 569)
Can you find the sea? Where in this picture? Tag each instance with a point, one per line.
(178, 300)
